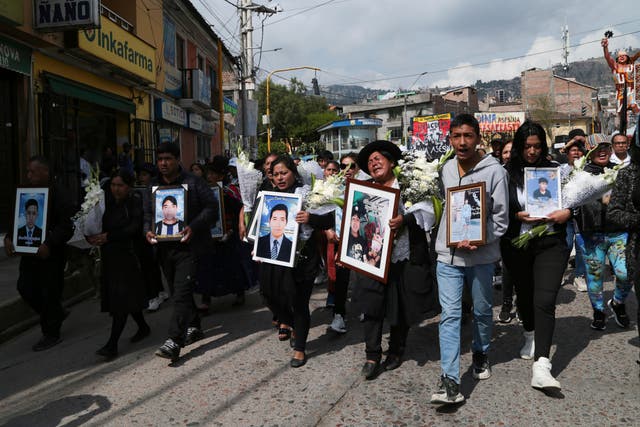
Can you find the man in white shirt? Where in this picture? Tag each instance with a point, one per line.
(620, 145)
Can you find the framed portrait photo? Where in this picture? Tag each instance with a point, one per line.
(277, 229)
(218, 228)
(169, 212)
(366, 239)
(542, 189)
(252, 232)
(466, 214)
(30, 219)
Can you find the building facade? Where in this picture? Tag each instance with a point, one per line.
(82, 79)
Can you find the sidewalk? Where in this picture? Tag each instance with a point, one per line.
(15, 315)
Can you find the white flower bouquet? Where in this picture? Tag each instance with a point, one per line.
(578, 189)
(88, 220)
(249, 180)
(419, 181)
(309, 171)
(325, 194)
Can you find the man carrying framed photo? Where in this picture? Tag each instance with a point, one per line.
(178, 258)
(468, 263)
(41, 278)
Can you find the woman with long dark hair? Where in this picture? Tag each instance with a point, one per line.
(122, 287)
(536, 270)
(287, 290)
(624, 211)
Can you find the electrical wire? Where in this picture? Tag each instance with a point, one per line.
(302, 11)
(459, 67)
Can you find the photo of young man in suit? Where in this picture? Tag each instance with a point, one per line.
(276, 245)
(30, 234)
(170, 224)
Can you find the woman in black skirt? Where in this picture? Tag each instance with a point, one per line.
(287, 290)
(409, 294)
(122, 286)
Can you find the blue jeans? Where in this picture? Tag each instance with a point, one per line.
(580, 269)
(451, 280)
(596, 247)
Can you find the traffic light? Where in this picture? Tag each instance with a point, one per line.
(316, 88)
(584, 110)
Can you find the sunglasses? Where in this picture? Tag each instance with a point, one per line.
(345, 165)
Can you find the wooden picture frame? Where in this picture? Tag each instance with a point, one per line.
(279, 224)
(30, 219)
(366, 240)
(218, 229)
(169, 224)
(466, 212)
(543, 191)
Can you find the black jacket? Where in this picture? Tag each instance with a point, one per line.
(592, 217)
(201, 212)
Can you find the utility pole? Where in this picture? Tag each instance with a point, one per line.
(248, 78)
(565, 50)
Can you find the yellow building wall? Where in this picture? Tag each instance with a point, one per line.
(43, 63)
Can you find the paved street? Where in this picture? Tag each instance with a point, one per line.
(239, 375)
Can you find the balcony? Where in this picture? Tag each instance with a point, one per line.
(196, 91)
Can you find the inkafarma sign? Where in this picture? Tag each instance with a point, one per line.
(54, 15)
(121, 48)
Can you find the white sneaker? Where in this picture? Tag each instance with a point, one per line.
(542, 377)
(154, 304)
(338, 324)
(580, 283)
(528, 349)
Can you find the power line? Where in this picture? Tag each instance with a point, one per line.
(444, 70)
(303, 11)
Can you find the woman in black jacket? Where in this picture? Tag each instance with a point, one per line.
(409, 292)
(624, 211)
(536, 270)
(122, 287)
(287, 290)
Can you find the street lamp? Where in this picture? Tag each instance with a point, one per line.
(260, 53)
(268, 82)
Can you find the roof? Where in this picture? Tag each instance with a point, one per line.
(573, 80)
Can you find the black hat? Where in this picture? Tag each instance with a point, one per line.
(380, 145)
(576, 132)
(218, 164)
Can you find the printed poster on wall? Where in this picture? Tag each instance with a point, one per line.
(431, 134)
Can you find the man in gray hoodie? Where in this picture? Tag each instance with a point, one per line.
(468, 263)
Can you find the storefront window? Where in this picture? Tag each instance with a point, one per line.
(203, 148)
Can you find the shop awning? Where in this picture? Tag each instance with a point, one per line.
(63, 86)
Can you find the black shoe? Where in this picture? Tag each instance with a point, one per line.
(238, 301)
(108, 352)
(169, 350)
(599, 320)
(141, 334)
(448, 392)
(370, 370)
(193, 335)
(296, 363)
(392, 362)
(619, 313)
(505, 313)
(481, 367)
(46, 342)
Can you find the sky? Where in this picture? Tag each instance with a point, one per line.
(413, 44)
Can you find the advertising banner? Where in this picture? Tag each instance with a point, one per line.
(499, 125)
(54, 15)
(431, 134)
(121, 48)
